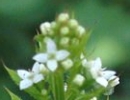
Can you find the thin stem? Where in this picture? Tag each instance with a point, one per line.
(108, 97)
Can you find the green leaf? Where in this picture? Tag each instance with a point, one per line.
(14, 76)
(72, 93)
(12, 95)
(32, 91)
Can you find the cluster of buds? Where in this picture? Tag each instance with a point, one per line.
(61, 69)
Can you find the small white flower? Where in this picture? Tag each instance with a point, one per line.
(51, 56)
(67, 64)
(79, 79)
(30, 77)
(99, 74)
(63, 17)
(45, 28)
(64, 30)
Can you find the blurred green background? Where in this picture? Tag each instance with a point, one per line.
(109, 20)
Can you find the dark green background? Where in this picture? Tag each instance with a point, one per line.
(110, 40)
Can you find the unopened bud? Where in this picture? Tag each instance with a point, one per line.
(64, 30)
(79, 80)
(63, 17)
(73, 23)
(67, 64)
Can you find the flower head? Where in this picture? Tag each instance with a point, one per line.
(52, 55)
(101, 75)
(30, 77)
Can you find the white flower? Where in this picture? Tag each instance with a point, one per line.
(79, 79)
(30, 77)
(99, 74)
(52, 55)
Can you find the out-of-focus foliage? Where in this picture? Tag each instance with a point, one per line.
(109, 19)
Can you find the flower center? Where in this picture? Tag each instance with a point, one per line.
(51, 56)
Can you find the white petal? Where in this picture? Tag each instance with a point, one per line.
(41, 57)
(37, 78)
(94, 72)
(98, 63)
(114, 80)
(51, 46)
(23, 74)
(102, 81)
(26, 83)
(52, 65)
(36, 68)
(62, 54)
(108, 73)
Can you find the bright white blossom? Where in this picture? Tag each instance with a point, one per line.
(52, 56)
(99, 74)
(79, 79)
(30, 77)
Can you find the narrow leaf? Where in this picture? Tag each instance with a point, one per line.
(12, 95)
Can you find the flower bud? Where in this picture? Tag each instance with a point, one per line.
(64, 30)
(67, 64)
(80, 31)
(94, 98)
(45, 28)
(63, 17)
(44, 92)
(73, 23)
(53, 25)
(64, 41)
(79, 80)
(75, 41)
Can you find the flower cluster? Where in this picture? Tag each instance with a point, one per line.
(61, 70)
